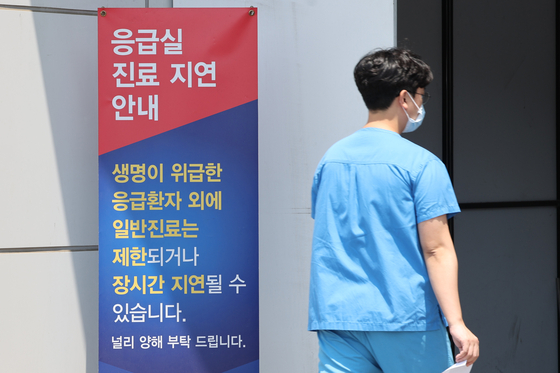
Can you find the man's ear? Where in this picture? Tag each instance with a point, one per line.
(403, 98)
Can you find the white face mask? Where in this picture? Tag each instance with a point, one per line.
(413, 124)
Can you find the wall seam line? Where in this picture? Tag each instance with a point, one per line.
(44, 9)
(58, 249)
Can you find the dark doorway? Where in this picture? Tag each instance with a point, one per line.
(492, 119)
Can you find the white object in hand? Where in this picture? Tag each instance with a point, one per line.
(459, 368)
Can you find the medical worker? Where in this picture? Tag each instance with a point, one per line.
(384, 268)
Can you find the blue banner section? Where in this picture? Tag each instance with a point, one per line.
(106, 368)
(247, 368)
(178, 250)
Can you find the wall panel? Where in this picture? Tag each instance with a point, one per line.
(49, 123)
(48, 319)
(507, 280)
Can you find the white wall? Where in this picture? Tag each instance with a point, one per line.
(48, 108)
(48, 318)
(48, 143)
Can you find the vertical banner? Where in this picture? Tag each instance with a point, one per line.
(178, 193)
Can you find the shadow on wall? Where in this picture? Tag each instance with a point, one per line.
(67, 45)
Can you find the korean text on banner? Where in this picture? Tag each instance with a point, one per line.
(178, 193)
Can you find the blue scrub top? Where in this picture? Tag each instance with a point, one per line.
(368, 273)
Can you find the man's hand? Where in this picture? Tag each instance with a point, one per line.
(466, 342)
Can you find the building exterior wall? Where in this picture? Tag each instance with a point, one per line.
(48, 147)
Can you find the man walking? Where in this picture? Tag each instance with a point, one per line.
(384, 268)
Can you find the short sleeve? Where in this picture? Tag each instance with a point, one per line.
(315, 190)
(433, 193)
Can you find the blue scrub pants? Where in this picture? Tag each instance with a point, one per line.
(343, 351)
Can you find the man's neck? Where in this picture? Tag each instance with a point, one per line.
(384, 119)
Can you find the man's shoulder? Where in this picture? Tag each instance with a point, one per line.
(372, 145)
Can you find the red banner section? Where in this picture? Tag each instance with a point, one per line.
(156, 75)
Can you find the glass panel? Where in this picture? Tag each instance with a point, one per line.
(504, 89)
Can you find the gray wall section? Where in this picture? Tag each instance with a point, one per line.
(504, 150)
(507, 265)
(48, 318)
(49, 129)
(504, 91)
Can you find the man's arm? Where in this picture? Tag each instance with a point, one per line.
(441, 262)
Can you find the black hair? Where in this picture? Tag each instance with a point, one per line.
(382, 74)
